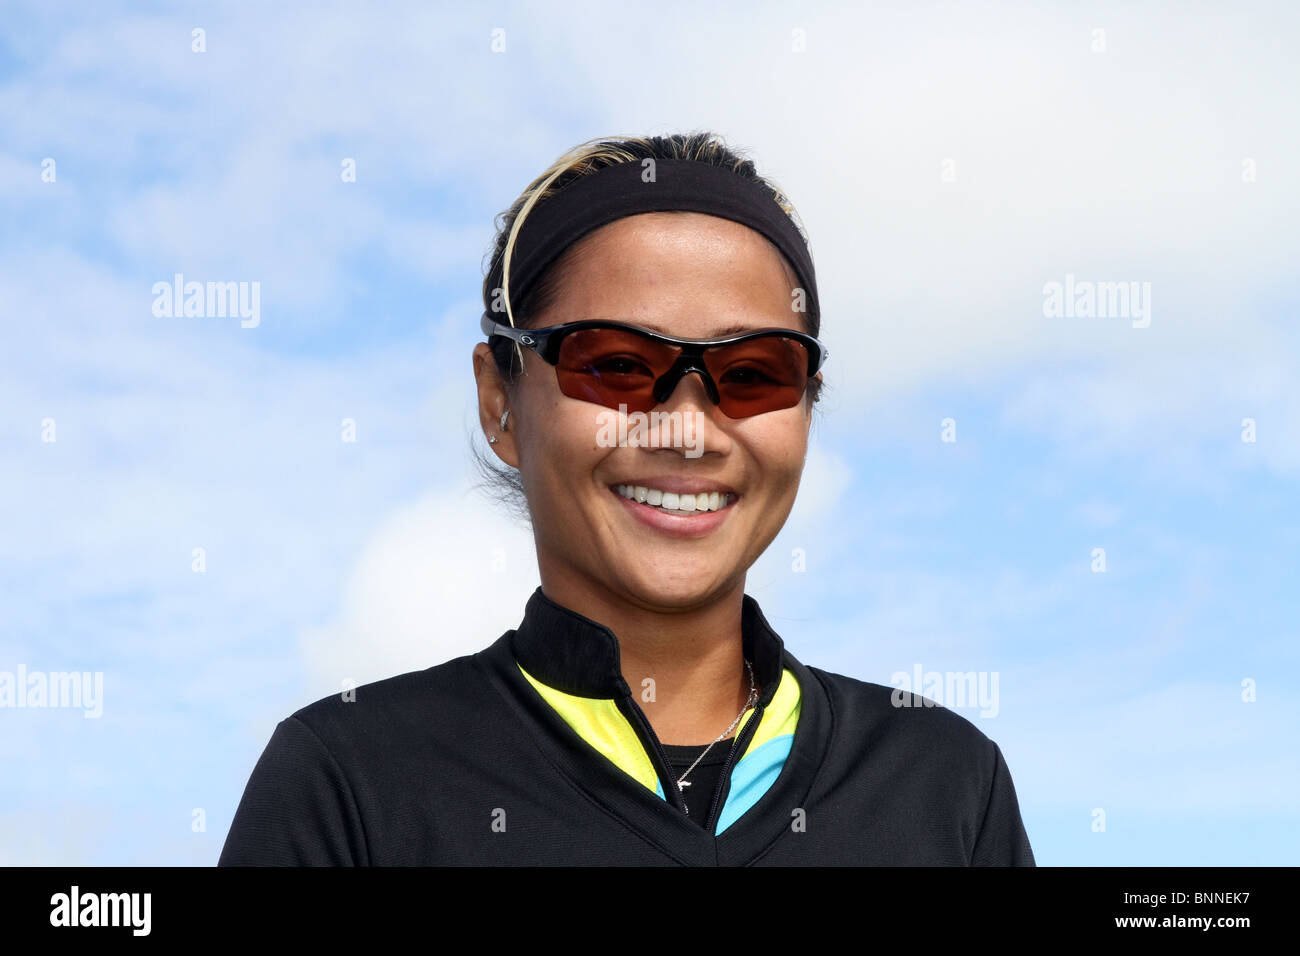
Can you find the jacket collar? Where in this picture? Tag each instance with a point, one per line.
(576, 655)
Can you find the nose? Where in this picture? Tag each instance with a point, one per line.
(692, 410)
(667, 382)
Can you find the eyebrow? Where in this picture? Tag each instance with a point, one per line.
(731, 329)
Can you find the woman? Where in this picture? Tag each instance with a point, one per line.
(644, 711)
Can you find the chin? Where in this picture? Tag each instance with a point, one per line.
(677, 590)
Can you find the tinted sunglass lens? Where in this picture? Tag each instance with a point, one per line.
(613, 367)
(759, 375)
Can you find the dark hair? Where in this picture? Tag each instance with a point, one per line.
(500, 480)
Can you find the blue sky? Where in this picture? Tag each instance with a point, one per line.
(948, 162)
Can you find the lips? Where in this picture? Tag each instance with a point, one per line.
(676, 523)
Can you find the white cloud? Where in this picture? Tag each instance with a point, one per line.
(442, 577)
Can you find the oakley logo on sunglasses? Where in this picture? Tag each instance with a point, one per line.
(648, 431)
(620, 365)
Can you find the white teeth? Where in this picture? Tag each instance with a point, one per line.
(671, 501)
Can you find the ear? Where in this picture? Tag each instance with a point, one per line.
(493, 400)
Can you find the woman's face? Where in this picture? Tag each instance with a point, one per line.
(684, 274)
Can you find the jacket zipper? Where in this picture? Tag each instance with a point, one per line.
(724, 778)
(664, 769)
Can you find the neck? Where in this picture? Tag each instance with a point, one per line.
(685, 666)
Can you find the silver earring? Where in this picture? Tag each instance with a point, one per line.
(504, 416)
(492, 439)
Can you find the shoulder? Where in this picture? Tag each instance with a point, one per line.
(359, 755)
(386, 712)
(915, 759)
(892, 721)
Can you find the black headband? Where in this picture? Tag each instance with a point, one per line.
(613, 192)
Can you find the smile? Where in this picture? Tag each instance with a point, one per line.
(676, 503)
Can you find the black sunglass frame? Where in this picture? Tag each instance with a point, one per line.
(546, 341)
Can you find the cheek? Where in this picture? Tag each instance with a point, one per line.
(561, 447)
(778, 447)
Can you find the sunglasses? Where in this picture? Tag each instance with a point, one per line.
(617, 364)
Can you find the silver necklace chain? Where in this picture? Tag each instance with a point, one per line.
(682, 782)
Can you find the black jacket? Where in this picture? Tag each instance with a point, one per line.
(467, 763)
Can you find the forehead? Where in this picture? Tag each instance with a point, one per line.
(681, 273)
